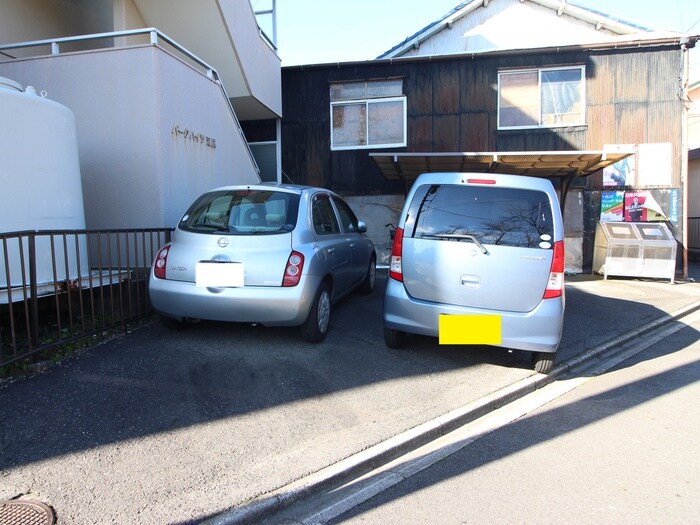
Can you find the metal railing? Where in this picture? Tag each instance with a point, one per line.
(53, 45)
(63, 286)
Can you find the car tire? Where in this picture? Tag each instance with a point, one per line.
(315, 328)
(394, 338)
(367, 286)
(543, 362)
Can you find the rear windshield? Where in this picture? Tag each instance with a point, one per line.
(243, 212)
(492, 215)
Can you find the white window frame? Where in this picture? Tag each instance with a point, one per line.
(367, 102)
(539, 71)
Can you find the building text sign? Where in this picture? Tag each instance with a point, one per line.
(191, 136)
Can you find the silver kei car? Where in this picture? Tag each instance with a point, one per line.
(278, 255)
(479, 259)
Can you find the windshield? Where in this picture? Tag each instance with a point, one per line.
(243, 212)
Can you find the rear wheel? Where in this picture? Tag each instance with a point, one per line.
(543, 362)
(315, 327)
(394, 338)
(367, 286)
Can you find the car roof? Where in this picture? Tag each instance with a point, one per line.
(293, 188)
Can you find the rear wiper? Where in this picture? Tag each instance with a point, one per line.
(459, 237)
(212, 227)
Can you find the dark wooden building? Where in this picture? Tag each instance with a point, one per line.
(627, 96)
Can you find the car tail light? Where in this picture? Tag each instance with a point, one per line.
(161, 261)
(395, 270)
(292, 273)
(555, 285)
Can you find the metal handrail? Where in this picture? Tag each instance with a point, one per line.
(154, 33)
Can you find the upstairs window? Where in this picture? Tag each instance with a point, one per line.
(545, 98)
(368, 114)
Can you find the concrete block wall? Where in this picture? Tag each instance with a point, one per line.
(377, 211)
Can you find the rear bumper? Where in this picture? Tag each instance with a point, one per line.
(537, 331)
(271, 306)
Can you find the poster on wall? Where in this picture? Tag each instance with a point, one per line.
(673, 208)
(641, 206)
(634, 206)
(622, 173)
(612, 205)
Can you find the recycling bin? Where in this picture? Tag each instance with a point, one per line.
(634, 249)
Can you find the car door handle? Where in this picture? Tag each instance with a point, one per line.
(331, 251)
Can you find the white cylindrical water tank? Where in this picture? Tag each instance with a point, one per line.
(40, 186)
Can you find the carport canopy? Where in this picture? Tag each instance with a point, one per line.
(549, 164)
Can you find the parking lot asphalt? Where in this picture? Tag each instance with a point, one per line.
(224, 422)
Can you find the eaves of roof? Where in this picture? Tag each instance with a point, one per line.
(636, 41)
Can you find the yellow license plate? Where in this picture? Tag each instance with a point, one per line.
(469, 329)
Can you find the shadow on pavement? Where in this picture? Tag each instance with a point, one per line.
(154, 380)
(529, 432)
(249, 381)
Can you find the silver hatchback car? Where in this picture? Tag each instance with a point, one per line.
(479, 259)
(278, 255)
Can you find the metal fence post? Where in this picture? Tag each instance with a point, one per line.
(33, 292)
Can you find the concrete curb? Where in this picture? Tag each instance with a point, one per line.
(363, 462)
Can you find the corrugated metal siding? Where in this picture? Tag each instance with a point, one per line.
(540, 140)
(633, 99)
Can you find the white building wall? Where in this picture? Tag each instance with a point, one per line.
(510, 24)
(224, 34)
(260, 64)
(137, 169)
(27, 20)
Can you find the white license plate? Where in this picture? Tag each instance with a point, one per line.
(210, 274)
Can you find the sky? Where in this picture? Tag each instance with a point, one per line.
(322, 31)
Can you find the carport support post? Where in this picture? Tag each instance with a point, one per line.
(565, 184)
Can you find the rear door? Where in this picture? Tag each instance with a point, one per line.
(330, 239)
(480, 246)
(359, 248)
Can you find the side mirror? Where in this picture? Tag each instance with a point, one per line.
(361, 227)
